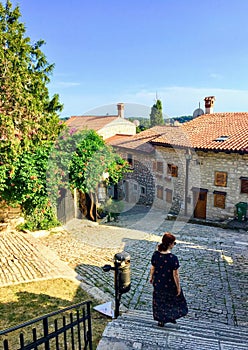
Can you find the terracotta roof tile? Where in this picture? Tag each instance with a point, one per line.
(138, 142)
(200, 133)
(90, 122)
(117, 139)
(172, 136)
(206, 129)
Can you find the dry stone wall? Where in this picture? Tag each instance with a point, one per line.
(9, 216)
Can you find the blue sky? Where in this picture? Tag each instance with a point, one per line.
(109, 51)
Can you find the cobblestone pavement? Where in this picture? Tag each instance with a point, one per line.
(23, 259)
(214, 261)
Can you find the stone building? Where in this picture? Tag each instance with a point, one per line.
(106, 125)
(197, 169)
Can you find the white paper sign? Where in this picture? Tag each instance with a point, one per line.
(105, 309)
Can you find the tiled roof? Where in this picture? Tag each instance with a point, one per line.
(172, 136)
(89, 122)
(205, 131)
(117, 139)
(202, 133)
(138, 142)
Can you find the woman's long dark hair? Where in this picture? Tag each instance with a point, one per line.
(167, 239)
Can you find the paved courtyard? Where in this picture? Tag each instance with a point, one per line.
(214, 261)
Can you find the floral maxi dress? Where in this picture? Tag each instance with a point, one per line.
(167, 305)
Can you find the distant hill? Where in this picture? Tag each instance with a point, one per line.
(144, 123)
(182, 119)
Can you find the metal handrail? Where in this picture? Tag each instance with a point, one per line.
(84, 318)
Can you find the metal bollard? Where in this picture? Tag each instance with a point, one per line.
(122, 277)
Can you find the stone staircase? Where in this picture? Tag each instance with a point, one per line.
(136, 330)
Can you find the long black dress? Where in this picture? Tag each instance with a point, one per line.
(167, 305)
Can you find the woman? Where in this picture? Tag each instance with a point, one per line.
(169, 302)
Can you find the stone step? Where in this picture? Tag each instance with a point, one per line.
(220, 329)
(137, 330)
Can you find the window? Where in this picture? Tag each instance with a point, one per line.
(154, 166)
(222, 138)
(220, 178)
(220, 199)
(172, 170)
(244, 184)
(168, 196)
(130, 159)
(160, 192)
(160, 167)
(142, 190)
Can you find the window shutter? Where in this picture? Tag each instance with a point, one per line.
(168, 196)
(220, 178)
(154, 166)
(220, 199)
(244, 185)
(174, 171)
(160, 167)
(160, 191)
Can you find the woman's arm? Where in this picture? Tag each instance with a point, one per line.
(152, 269)
(177, 281)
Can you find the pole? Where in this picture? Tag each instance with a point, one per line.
(188, 158)
(117, 292)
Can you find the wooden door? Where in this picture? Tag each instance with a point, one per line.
(200, 204)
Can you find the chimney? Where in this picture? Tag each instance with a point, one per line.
(120, 108)
(209, 104)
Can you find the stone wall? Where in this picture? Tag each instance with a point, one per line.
(9, 216)
(139, 185)
(170, 156)
(202, 168)
(235, 165)
(201, 175)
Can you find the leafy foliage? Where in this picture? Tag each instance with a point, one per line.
(28, 116)
(37, 159)
(144, 123)
(79, 160)
(156, 116)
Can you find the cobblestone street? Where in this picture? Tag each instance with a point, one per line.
(214, 261)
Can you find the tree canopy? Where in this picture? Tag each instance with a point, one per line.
(37, 157)
(156, 115)
(82, 160)
(28, 116)
(29, 120)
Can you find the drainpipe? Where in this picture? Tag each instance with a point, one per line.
(188, 157)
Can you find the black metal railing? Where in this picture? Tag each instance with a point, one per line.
(68, 329)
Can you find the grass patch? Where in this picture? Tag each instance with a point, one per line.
(23, 302)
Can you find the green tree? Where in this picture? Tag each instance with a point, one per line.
(80, 160)
(36, 159)
(29, 120)
(156, 115)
